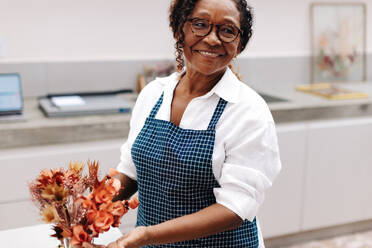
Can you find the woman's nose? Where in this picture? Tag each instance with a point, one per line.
(212, 38)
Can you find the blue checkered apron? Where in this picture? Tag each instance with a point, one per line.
(175, 178)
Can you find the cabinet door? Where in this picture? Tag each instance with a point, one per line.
(281, 211)
(18, 214)
(338, 186)
(19, 166)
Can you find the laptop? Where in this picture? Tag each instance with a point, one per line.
(11, 100)
(64, 105)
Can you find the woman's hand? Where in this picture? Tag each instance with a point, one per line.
(87, 245)
(134, 239)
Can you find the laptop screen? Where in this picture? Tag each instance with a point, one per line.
(10, 94)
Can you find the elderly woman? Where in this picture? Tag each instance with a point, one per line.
(202, 146)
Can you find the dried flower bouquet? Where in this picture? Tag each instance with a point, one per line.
(80, 206)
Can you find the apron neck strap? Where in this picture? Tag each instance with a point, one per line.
(156, 108)
(217, 114)
(212, 124)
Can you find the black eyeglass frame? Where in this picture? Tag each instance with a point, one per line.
(211, 25)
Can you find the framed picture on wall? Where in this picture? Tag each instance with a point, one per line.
(338, 38)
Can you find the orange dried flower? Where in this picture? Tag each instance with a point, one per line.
(61, 232)
(76, 167)
(79, 235)
(103, 221)
(51, 176)
(93, 173)
(115, 208)
(116, 221)
(102, 196)
(54, 193)
(58, 176)
(133, 202)
(45, 178)
(80, 206)
(92, 230)
(87, 203)
(50, 214)
(113, 172)
(91, 215)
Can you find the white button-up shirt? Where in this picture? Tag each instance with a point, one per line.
(245, 158)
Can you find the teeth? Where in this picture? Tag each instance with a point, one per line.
(209, 54)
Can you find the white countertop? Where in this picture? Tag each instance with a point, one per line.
(39, 236)
(38, 130)
(301, 100)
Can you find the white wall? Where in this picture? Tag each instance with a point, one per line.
(85, 29)
(282, 27)
(56, 30)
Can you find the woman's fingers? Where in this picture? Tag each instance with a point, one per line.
(88, 245)
(134, 239)
(113, 245)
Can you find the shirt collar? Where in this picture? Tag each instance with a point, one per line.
(227, 88)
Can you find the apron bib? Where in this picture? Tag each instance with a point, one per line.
(175, 178)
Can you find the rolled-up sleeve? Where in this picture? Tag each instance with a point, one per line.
(252, 162)
(126, 165)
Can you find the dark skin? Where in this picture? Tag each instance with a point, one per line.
(206, 61)
(183, 95)
(129, 187)
(203, 71)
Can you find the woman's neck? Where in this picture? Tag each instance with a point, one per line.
(194, 83)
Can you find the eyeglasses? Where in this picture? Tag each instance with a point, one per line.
(225, 32)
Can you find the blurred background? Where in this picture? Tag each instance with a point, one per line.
(113, 48)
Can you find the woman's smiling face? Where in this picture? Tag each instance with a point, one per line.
(209, 55)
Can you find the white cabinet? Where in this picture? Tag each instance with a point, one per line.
(282, 209)
(325, 178)
(19, 166)
(338, 185)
